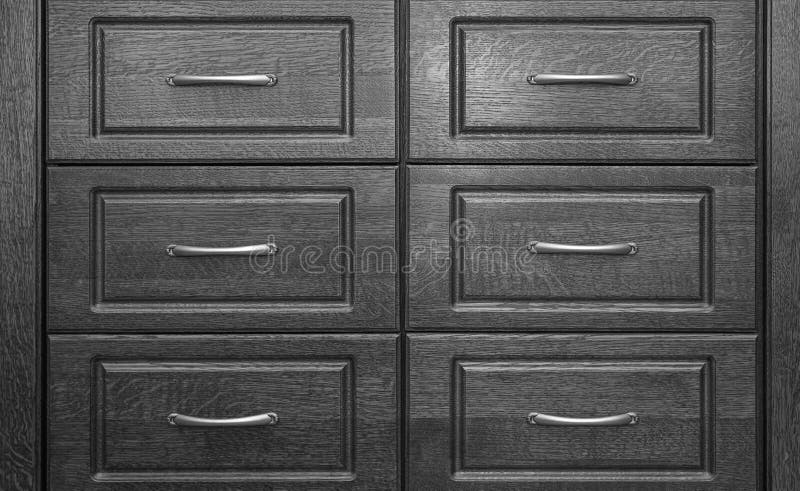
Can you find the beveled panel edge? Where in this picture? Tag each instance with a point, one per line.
(705, 473)
(344, 303)
(97, 90)
(703, 130)
(347, 473)
(706, 234)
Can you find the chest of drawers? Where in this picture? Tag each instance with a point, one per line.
(414, 244)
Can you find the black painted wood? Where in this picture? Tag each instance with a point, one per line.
(335, 398)
(696, 101)
(109, 229)
(108, 99)
(20, 246)
(470, 396)
(470, 268)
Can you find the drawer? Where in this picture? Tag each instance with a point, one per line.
(253, 81)
(178, 412)
(585, 248)
(582, 412)
(621, 81)
(168, 249)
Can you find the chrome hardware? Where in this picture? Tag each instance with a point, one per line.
(266, 419)
(617, 420)
(560, 79)
(181, 250)
(263, 80)
(626, 249)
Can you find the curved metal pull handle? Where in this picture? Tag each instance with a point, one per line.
(266, 419)
(626, 249)
(263, 80)
(617, 420)
(181, 250)
(561, 79)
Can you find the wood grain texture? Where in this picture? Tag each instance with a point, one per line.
(311, 398)
(311, 60)
(521, 123)
(335, 396)
(477, 390)
(783, 260)
(670, 60)
(668, 397)
(132, 266)
(335, 97)
(670, 230)
(109, 228)
(469, 268)
(20, 243)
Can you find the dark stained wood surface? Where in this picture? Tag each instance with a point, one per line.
(335, 397)
(108, 100)
(20, 243)
(783, 259)
(668, 397)
(310, 60)
(109, 228)
(670, 230)
(20, 170)
(670, 60)
(470, 395)
(695, 268)
(505, 119)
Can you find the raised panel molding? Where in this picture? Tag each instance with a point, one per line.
(135, 34)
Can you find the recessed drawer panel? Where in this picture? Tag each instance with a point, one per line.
(228, 409)
(599, 246)
(667, 411)
(522, 81)
(270, 248)
(666, 64)
(265, 80)
(557, 247)
(133, 57)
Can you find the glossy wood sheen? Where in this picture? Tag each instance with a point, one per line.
(471, 269)
(110, 227)
(470, 101)
(108, 99)
(20, 246)
(695, 397)
(110, 397)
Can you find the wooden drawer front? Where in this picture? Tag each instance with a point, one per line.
(693, 97)
(668, 229)
(135, 56)
(620, 411)
(329, 94)
(671, 65)
(480, 243)
(110, 230)
(111, 399)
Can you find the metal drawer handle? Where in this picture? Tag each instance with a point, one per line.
(561, 79)
(266, 419)
(263, 80)
(626, 249)
(617, 420)
(181, 250)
